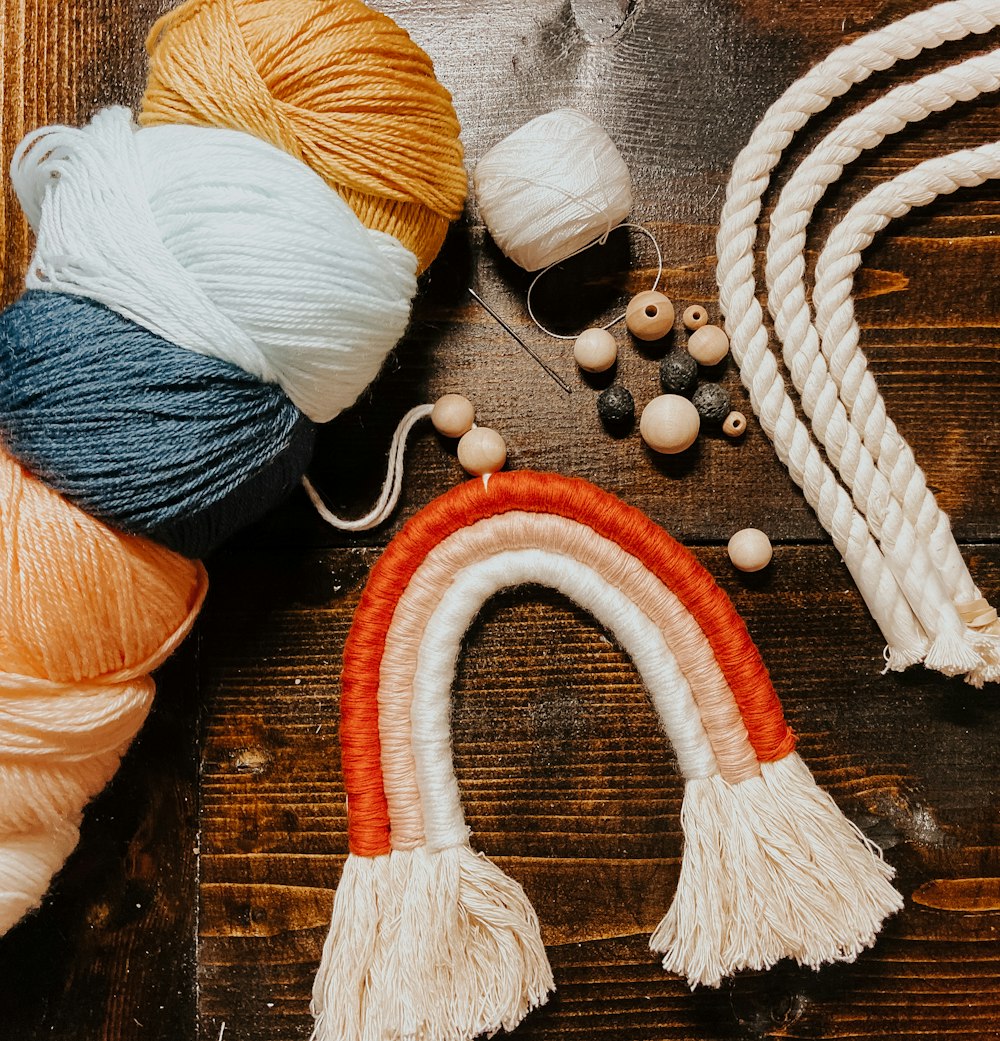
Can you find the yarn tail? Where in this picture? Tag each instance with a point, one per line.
(428, 944)
(771, 869)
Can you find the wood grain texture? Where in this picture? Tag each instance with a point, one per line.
(229, 812)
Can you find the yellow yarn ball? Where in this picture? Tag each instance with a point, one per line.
(336, 84)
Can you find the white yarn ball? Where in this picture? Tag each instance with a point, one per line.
(555, 185)
(221, 243)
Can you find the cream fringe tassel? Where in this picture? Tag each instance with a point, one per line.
(443, 946)
(771, 869)
(428, 946)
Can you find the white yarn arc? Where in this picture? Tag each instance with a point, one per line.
(590, 245)
(430, 711)
(851, 64)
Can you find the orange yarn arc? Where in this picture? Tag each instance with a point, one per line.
(574, 499)
(336, 84)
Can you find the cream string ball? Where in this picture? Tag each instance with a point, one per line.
(555, 185)
(199, 298)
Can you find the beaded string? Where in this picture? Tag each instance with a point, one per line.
(392, 487)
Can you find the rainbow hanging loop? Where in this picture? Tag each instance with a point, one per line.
(430, 939)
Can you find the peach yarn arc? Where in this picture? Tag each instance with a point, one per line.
(431, 939)
(377, 126)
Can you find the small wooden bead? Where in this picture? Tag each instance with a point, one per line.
(735, 425)
(750, 550)
(669, 424)
(595, 350)
(453, 415)
(649, 315)
(482, 451)
(708, 345)
(695, 317)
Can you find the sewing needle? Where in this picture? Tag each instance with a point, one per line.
(560, 382)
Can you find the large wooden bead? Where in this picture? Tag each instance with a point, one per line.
(482, 451)
(669, 424)
(453, 415)
(708, 345)
(595, 350)
(750, 550)
(649, 315)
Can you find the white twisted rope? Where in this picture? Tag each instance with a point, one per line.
(836, 322)
(814, 92)
(906, 551)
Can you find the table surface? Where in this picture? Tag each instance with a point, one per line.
(200, 893)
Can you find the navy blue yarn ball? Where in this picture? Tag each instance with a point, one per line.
(148, 437)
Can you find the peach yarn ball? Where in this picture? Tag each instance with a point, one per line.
(336, 84)
(86, 614)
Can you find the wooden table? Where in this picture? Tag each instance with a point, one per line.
(200, 893)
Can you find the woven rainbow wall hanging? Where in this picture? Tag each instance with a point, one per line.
(430, 939)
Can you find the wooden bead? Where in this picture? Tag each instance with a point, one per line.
(595, 350)
(708, 345)
(735, 425)
(750, 550)
(649, 315)
(453, 415)
(695, 317)
(482, 451)
(669, 424)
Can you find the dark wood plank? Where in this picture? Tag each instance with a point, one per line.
(580, 799)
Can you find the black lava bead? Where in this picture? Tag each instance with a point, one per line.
(678, 373)
(712, 402)
(616, 407)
